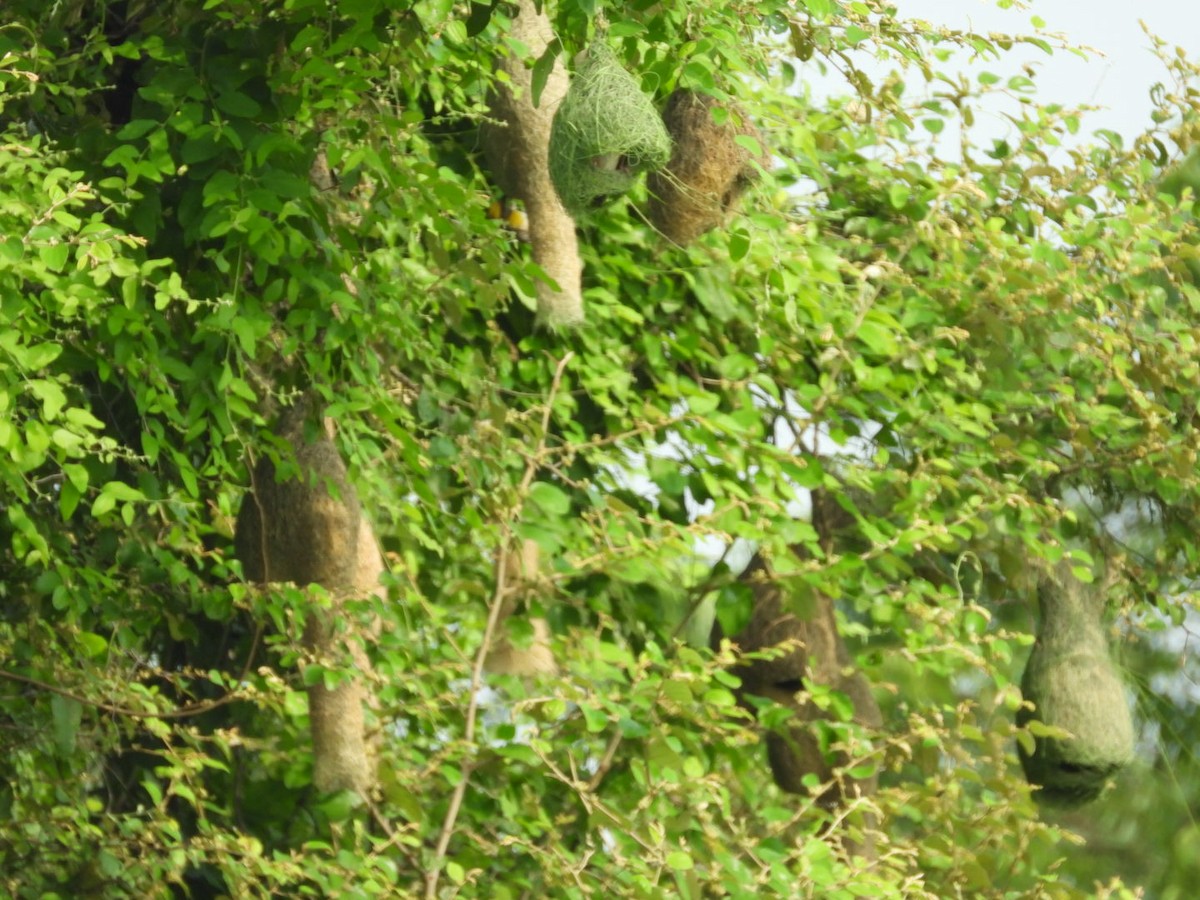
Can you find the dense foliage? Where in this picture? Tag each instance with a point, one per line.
(982, 357)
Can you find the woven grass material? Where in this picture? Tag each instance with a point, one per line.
(517, 148)
(299, 531)
(814, 653)
(521, 578)
(1074, 685)
(606, 133)
(709, 170)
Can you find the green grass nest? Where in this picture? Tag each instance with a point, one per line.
(605, 133)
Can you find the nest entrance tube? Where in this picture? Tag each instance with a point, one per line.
(517, 147)
(605, 133)
(310, 529)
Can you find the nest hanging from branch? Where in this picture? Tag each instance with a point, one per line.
(310, 529)
(815, 654)
(517, 147)
(709, 170)
(605, 133)
(1074, 685)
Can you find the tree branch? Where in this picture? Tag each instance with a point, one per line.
(182, 712)
(494, 612)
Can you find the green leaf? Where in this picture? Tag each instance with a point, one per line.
(480, 16)
(12, 249)
(67, 714)
(739, 244)
(93, 645)
(68, 500)
(52, 397)
(54, 256)
(677, 691)
(103, 504)
(597, 720)
(237, 104)
(878, 338)
(542, 69)
(821, 9)
(455, 32)
(112, 493)
(856, 35)
(750, 144)
(137, 128)
(679, 861)
(38, 356)
(67, 441)
(340, 805)
(549, 498)
(244, 329)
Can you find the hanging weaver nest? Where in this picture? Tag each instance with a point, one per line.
(605, 133)
(813, 652)
(1074, 685)
(517, 146)
(709, 170)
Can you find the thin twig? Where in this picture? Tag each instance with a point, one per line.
(494, 611)
(182, 712)
(606, 761)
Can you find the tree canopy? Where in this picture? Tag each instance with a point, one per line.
(910, 374)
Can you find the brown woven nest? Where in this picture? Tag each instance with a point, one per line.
(517, 146)
(812, 652)
(709, 169)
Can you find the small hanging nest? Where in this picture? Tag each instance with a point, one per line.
(605, 133)
(1074, 685)
(709, 170)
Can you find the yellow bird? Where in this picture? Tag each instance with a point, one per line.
(512, 215)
